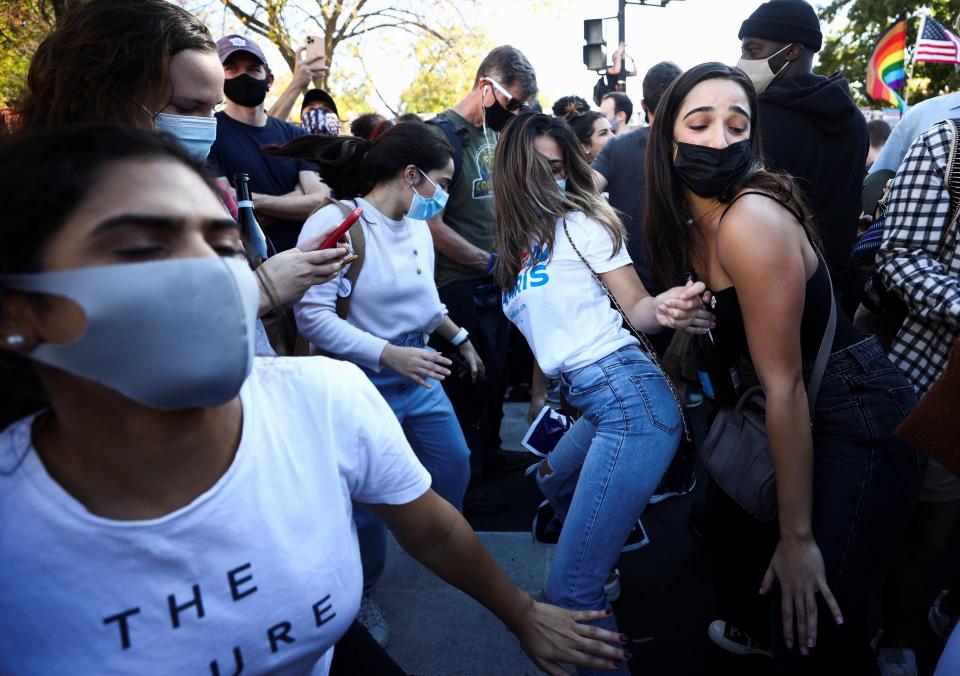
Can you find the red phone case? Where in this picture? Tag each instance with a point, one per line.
(330, 241)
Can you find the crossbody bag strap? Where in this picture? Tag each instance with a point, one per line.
(644, 341)
(826, 343)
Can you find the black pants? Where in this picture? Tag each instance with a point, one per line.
(475, 305)
(865, 486)
(357, 653)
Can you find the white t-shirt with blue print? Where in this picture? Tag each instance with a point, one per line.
(558, 306)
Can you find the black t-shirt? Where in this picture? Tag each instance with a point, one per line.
(621, 163)
(237, 150)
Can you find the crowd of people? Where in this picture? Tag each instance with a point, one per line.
(204, 445)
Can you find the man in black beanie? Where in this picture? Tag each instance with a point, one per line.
(810, 127)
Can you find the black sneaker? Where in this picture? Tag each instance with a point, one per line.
(546, 526)
(546, 530)
(484, 498)
(735, 641)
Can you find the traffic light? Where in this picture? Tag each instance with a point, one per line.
(595, 49)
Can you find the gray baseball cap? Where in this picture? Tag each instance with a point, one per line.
(229, 44)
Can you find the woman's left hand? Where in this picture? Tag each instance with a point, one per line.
(798, 564)
(552, 636)
(469, 354)
(682, 308)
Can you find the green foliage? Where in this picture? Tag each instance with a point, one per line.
(858, 24)
(446, 70)
(23, 24)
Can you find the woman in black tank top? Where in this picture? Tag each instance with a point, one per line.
(845, 485)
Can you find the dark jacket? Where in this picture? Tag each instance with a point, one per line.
(812, 129)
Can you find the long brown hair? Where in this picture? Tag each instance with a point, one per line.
(526, 199)
(669, 235)
(106, 60)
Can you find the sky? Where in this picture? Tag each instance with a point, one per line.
(550, 34)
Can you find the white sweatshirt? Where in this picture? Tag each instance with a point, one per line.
(391, 297)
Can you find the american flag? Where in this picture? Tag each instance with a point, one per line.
(935, 44)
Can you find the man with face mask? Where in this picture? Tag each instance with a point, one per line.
(810, 125)
(285, 191)
(463, 234)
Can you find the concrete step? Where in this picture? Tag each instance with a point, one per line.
(437, 630)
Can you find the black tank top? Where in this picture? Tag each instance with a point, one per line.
(816, 308)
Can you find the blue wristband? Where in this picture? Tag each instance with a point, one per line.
(492, 261)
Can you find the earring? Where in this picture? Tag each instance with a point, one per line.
(15, 340)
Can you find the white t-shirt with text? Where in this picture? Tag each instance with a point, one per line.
(557, 304)
(261, 573)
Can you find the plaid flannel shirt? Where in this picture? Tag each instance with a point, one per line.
(919, 262)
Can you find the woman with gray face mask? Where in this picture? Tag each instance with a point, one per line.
(166, 474)
(165, 61)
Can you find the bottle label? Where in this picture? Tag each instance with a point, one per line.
(706, 384)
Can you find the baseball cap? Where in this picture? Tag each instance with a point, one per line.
(229, 44)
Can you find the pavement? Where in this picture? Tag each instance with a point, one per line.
(667, 598)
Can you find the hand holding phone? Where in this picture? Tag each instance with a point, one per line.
(342, 228)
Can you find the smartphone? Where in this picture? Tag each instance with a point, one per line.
(315, 48)
(348, 222)
(461, 363)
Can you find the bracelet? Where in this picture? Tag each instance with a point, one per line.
(492, 261)
(460, 338)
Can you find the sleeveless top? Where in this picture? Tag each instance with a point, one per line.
(816, 307)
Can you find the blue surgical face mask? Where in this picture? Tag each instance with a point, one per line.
(194, 134)
(424, 208)
(171, 334)
(562, 184)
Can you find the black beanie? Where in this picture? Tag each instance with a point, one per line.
(784, 21)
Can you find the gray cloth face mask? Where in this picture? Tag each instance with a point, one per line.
(170, 334)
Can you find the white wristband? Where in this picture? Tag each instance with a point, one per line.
(460, 338)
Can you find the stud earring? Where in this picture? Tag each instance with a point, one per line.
(15, 340)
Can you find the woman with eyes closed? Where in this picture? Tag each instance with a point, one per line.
(845, 484)
(195, 499)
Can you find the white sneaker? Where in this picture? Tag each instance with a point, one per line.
(371, 617)
(734, 640)
(897, 662)
(611, 588)
(940, 622)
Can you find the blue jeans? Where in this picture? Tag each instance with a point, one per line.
(865, 486)
(433, 431)
(604, 470)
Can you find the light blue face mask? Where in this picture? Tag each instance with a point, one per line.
(170, 334)
(194, 134)
(423, 208)
(562, 184)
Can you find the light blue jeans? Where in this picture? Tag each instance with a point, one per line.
(432, 429)
(604, 470)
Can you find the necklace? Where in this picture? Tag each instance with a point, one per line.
(708, 211)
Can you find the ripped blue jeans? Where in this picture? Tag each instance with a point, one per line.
(604, 470)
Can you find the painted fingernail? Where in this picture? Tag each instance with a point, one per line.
(811, 642)
(608, 611)
(617, 664)
(627, 655)
(789, 645)
(804, 651)
(624, 639)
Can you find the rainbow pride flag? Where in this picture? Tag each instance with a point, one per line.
(885, 70)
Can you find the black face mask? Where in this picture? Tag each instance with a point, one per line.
(496, 116)
(245, 90)
(709, 172)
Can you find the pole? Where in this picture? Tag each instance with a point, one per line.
(621, 39)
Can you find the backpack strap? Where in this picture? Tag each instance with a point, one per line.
(458, 138)
(358, 243)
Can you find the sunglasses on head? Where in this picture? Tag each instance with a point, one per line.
(512, 103)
